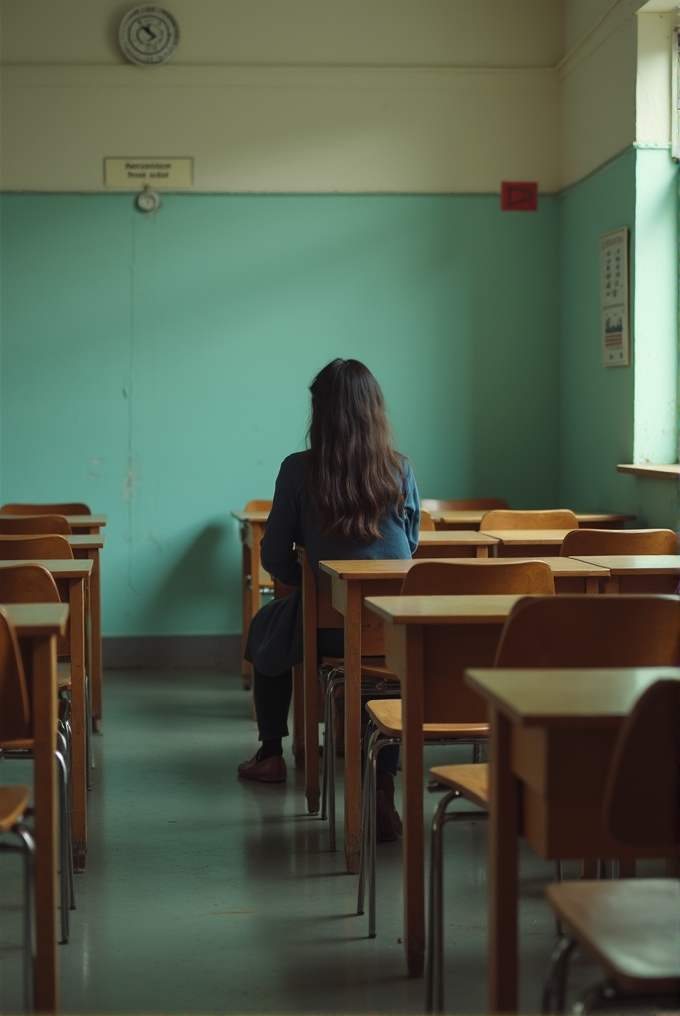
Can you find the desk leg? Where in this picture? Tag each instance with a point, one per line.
(503, 881)
(412, 773)
(96, 673)
(78, 749)
(483, 551)
(44, 667)
(353, 727)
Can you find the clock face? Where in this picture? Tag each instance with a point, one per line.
(148, 35)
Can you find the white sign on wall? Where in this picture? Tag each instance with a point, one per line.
(159, 173)
(614, 322)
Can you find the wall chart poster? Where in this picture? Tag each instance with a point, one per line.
(614, 326)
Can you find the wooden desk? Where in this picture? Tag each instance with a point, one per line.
(429, 641)
(639, 573)
(253, 525)
(92, 525)
(75, 575)
(466, 543)
(472, 519)
(38, 626)
(86, 543)
(528, 542)
(552, 733)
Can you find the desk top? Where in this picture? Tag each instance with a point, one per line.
(69, 569)
(37, 618)
(85, 521)
(396, 569)
(88, 541)
(633, 564)
(476, 515)
(564, 698)
(526, 537)
(250, 516)
(445, 538)
(474, 609)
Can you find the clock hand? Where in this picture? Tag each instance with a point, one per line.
(146, 29)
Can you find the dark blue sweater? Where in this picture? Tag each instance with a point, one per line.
(293, 520)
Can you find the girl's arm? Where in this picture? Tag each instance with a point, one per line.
(283, 527)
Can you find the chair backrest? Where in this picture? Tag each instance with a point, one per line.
(65, 508)
(592, 631)
(15, 715)
(619, 541)
(25, 525)
(641, 798)
(426, 521)
(460, 578)
(258, 506)
(27, 583)
(49, 548)
(484, 504)
(559, 518)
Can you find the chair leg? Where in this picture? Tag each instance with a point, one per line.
(378, 742)
(28, 850)
(324, 765)
(559, 877)
(65, 849)
(434, 973)
(336, 680)
(89, 753)
(556, 982)
(364, 852)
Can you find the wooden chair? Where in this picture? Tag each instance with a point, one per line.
(485, 504)
(426, 521)
(452, 578)
(266, 581)
(33, 583)
(33, 525)
(559, 518)
(49, 548)
(13, 804)
(583, 542)
(63, 508)
(631, 927)
(551, 632)
(578, 630)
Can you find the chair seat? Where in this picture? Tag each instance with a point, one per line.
(630, 926)
(471, 780)
(20, 744)
(13, 803)
(386, 714)
(63, 674)
(372, 667)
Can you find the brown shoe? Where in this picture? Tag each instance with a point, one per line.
(269, 770)
(387, 821)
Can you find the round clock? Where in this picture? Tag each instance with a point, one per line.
(148, 201)
(148, 35)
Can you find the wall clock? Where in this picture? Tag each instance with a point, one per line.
(148, 35)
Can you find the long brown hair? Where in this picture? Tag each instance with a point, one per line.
(355, 475)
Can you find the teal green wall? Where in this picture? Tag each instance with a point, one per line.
(596, 403)
(156, 367)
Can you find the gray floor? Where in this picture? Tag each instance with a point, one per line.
(205, 894)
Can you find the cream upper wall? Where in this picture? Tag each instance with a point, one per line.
(654, 78)
(302, 95)
(430, 33)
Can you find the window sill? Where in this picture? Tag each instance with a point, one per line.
(655, 472)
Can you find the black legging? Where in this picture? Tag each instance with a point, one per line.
(273, 695)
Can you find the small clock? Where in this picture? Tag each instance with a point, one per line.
(148, 201)
(148, 35)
